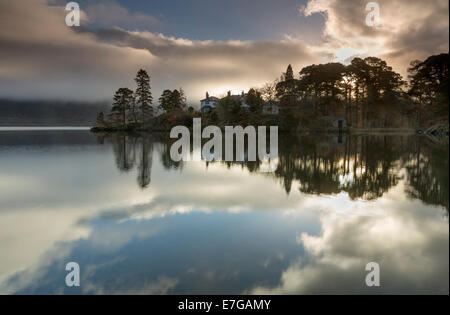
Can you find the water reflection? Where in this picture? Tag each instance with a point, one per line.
(139, 223)
(365, 167)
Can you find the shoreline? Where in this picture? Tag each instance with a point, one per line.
(352, 131)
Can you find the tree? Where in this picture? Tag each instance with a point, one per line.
(172, 100)
(165, 101)
(322, 84)
(178, 100)
(375, 87)
(429, 85)
(100, 119)
(123, 99)
(134, 110)
(254, 101)
(269, 91)
(228, 109)
(144, 97)
(182, 99)
(288, 99)
(286, 89)
(289, 75)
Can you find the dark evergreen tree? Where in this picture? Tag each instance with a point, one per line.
(100, 119)
(123, 99)
(165, 101)
(144, 97)
(172, 100)
(254, 101)
(289, 75)
(429, 85)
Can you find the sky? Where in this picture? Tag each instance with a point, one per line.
(200, 45)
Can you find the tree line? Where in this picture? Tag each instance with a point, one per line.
(131, 109)
(368, 93)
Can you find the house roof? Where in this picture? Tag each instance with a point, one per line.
(211, 98)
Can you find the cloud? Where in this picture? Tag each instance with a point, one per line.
(47, 59)
(43, 58)
(109, 13)
(409, 242)
(409, 29)
(212, 66)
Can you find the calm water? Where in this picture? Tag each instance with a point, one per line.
(138, 223)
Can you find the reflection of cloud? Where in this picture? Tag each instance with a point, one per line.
(38, 227)
(409, 242)
(161, 286)
(89, 187)
(111, 238)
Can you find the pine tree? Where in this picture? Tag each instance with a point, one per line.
(100, 119)
(254, 101)
(165, 101)
(289, 75)
(134, 110)
(143, 94)
(123, 99)
(176, 99)
(183, 99)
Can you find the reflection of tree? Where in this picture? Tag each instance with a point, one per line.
(365, 167)
(318, 171)
(124, 149)
(427, 169)
(374, 167)
(145, 162)
(166, 160)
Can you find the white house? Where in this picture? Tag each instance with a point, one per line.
(209, 103)
(271, 109)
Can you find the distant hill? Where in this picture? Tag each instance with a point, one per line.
(50, 113)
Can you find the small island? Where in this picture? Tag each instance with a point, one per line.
(364, 96)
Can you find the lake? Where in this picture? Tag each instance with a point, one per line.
(138, 223)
